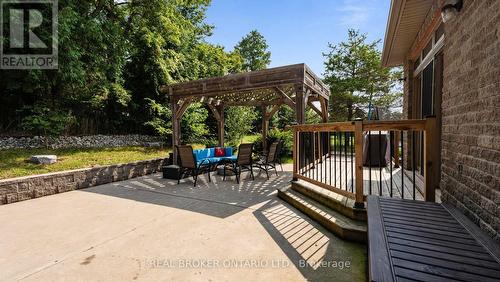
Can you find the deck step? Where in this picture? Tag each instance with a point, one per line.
(337, 202)
(342, 226)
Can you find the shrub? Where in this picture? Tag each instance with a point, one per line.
(44, 121)
(274, 135)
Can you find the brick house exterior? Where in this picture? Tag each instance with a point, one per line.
(452, 71)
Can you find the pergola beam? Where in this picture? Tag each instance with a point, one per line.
(183, 107)
(286, 99)
(312, 106)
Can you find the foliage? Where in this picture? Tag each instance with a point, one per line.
(238, 124)
(356, 77)
(47, 122)
(253, 49)
(160, 118)
(193, 126)
(277, 134)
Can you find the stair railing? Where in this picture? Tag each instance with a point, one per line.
(360, 158)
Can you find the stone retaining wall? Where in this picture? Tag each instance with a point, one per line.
(29, 187)
(89, 141)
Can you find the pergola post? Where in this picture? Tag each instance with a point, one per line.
(324, 109)
(175, 128)
(220, 124)
(300, 104)
(265, 127)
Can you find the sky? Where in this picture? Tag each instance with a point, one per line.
(297, 31)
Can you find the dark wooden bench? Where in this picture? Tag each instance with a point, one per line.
(422, 241)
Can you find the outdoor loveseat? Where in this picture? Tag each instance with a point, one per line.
(214, 155)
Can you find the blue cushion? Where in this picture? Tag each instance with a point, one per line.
(202, 154)
(214, 160)
(211, 152)
(231, 158)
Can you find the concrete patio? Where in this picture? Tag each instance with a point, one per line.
(149, 228)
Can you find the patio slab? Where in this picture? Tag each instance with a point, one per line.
(150, 228)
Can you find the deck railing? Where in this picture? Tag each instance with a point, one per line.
(361, 158)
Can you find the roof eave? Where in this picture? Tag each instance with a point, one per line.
(392, 23)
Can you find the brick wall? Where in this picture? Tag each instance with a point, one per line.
(471, 114)
(29, 187)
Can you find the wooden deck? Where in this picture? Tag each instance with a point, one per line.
(422, 241)
(339, 171)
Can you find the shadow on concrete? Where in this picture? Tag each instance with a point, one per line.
(228, 196)
(314, 251)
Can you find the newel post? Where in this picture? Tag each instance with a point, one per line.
(295, 155)
(430, 151)
(358, 142)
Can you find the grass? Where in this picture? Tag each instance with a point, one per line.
(250, 138)
(13, 162)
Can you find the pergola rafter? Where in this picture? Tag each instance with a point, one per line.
(295, 86)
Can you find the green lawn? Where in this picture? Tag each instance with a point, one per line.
(250, 138)
(13, 162)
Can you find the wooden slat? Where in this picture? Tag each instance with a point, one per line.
(469, 246)
(415, 124)
(325, 127)
(380, 264)
(483, 239)
(271, 78)
(419, 276)
(477, 253)
(441, 271)
(482, 270)
(426, 242)
(358, 143)
(449, 257)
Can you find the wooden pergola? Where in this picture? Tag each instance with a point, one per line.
(295, 86)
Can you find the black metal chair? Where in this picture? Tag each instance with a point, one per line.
(269, 160)
(244, 162)
(279, 151)
(188, 164)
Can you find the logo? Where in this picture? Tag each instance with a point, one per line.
(28, 34)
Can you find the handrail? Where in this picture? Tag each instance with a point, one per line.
(415, 124)
(316, 152)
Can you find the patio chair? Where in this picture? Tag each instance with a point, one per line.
(188, 164)
(279, 151)
(243, 162)
(269, 160)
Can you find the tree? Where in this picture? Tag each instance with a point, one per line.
(253, 49)
(238, 124)
(356, 77)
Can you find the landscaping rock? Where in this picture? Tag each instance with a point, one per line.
(43, 159)
(90, 141)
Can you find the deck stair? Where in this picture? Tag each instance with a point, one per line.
(331, 210)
